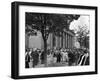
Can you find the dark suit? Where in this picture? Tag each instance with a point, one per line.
(27, 60)
(35, 57)
(42, 57)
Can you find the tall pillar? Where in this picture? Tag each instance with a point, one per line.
(54, 40)
(72, 41)
(69, 41)
(26, 41)
(58, 42)
(66, 40)
(51, 41)
(63, 39)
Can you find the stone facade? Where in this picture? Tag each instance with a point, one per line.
(64, 41)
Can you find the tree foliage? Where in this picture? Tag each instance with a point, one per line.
(46, 24)
(83, 36)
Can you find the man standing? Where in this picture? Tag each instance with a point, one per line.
(71, 57)
(42, 57)
(35, 57)
(27, 59)
(58, 56)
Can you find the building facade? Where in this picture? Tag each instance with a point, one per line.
(64, 41)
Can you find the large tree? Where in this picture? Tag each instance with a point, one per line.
(83, 36)
(46, 24)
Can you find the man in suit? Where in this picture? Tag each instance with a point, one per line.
(35, 57)
(27, 59)
(71, 57)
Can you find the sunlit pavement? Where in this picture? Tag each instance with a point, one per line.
(51, 62)
(52, 65)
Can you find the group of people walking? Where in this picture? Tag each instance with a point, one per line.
(34, 57)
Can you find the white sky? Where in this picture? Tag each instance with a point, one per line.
(82, 21)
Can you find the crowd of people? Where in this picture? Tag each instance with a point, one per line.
(72, 57)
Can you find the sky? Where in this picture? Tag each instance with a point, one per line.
(82, 21)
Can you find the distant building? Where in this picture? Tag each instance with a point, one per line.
(64, 41)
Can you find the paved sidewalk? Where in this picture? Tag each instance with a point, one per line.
(52, 65)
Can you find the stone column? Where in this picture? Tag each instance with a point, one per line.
(51, 41)
(71, 42)
(26, 41)
(58, 42)
(63, 40)
(66, 41)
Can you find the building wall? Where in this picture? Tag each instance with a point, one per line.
(34, 41)
(65, 41)
(26, 41)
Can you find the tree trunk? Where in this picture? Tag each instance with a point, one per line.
(45, 52)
